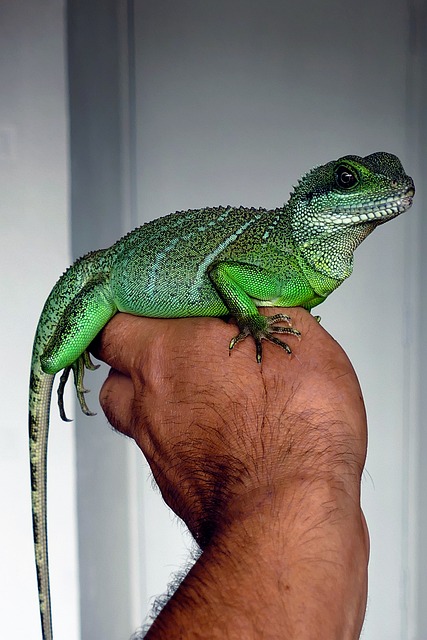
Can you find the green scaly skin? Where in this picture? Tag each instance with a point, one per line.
(207, 262)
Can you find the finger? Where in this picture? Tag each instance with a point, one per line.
(117, 400)
(129, 343)
(121, 340)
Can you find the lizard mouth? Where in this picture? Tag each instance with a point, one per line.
(379, 210)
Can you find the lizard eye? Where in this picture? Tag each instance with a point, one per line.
(344, 178)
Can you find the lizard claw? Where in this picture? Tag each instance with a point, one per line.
(88, 362)
(264, 330)
(78, 367)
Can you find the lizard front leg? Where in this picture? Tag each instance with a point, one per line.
(240, 286)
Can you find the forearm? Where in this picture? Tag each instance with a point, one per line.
(289, 564)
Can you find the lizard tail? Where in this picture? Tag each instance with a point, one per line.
(60, 344)
(39, 405)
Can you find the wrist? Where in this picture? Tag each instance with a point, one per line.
(285, 563)
(280, 478)
(281, 515)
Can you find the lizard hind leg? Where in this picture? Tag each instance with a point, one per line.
(67, 348)
(78, 368)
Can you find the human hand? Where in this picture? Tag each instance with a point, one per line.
(214, 426)
(243, 452)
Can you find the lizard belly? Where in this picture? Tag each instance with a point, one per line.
(180, 291)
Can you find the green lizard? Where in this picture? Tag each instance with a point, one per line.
(207, 262)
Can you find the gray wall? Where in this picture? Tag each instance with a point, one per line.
(106, 546)
(419, 397)
(233, 102)
(229, 103)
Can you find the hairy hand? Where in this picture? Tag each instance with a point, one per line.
(219, 429)
(263, 463)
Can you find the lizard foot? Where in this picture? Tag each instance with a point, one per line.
(262, 329)
(78, 367)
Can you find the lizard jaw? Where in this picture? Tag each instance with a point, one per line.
(378, 211)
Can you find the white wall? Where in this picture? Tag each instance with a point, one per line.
(34, 250)
(234, 100)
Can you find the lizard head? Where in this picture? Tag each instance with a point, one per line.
(349, 196)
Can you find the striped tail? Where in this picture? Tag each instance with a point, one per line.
(39, 406)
